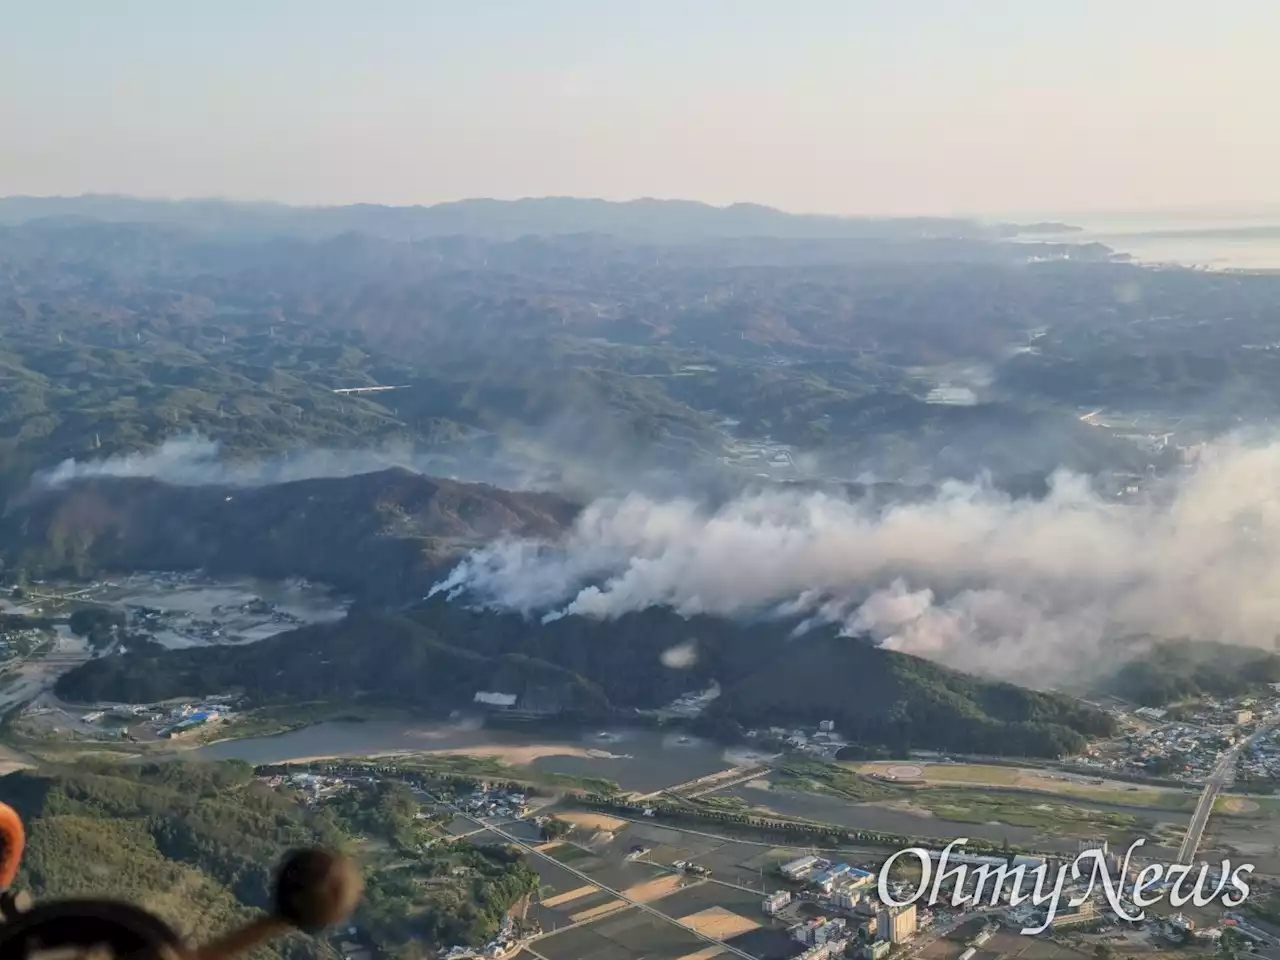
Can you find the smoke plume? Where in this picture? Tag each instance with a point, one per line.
(555, 456)
(192, 460)
(1032, 590)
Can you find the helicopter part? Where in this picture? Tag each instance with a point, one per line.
(314, 889)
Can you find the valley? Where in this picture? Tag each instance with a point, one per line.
(710, 550)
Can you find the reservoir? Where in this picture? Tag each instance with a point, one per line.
(637, 760)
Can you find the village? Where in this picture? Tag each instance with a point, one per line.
(1185, 749)
(758, 900)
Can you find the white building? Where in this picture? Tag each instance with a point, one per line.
(775, 902)
(829, 931)
(846, 897)
(802, 867)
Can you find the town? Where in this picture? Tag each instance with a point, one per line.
(749, 898)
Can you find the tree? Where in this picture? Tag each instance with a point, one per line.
(555, 828)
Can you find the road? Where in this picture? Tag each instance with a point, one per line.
(1257, 933)
(1222, 773)
(710, 782)
(586, 879)
(937, 932)
(742, 775)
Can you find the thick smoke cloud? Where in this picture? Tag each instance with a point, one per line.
(1030, 590)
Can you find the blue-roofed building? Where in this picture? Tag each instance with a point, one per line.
(187, 723)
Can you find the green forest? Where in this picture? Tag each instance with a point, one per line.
(1173, 670)
(198, 845)
(594, 670)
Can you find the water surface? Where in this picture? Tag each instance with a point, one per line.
(637, 760)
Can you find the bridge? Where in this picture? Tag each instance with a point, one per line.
(742, 775)
(1223, 772)
(701, 786)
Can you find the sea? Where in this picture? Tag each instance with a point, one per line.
(1202, 241)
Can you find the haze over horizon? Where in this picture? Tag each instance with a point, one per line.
(848, 108)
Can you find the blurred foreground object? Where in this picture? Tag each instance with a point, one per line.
(315, 889)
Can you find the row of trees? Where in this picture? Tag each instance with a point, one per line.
(807, 832)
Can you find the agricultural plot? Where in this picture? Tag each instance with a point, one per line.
(705, 896)
(629, 934)
(553, 879)
(719, 923)
(621, 875)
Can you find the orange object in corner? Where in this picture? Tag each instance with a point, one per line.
(13, 838)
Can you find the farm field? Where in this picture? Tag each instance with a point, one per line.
(1027, 778)
(628, 934)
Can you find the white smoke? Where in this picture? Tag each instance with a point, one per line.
(520, 459)
(193, 460)
(1022, 589)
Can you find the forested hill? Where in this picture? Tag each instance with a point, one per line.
(198, 844)
(387, 534)
(1175, 670)
(438, 657)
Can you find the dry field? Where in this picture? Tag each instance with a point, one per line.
(719, 923)
(577, 893)
(1025, 778)
(704, 954)
(592, 821)
(654, 889)
(595, 913)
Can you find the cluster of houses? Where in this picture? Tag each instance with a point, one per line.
(505, 943)
(1180, 751)
(864, 927)
(821, 742)
(314, 787)
(692, 704)
(1261, 761)
(495, 802)
(173, 722)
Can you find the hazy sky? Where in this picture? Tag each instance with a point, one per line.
(850, 106)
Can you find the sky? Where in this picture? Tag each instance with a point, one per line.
(838, 106)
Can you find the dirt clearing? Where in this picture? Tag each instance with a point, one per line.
(577, 893)
(705, 954)
(719, 923)
(613, 906)
(653, 889)
(515, 755)
(593, 821)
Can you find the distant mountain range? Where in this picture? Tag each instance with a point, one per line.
(646, 219)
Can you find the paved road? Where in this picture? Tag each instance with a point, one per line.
(1223, 772)
(1268, 939)
(586, 879)
(936, 933)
